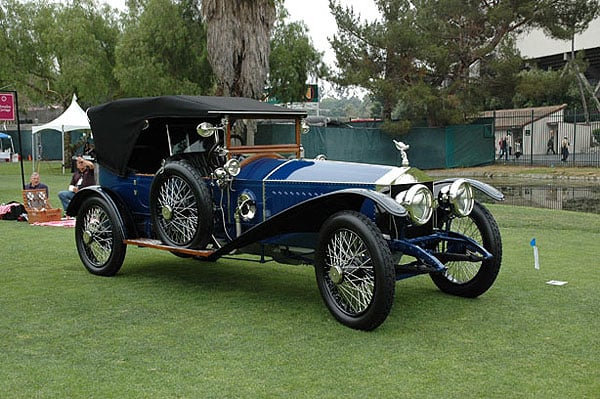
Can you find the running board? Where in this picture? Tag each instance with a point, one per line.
(157, 244)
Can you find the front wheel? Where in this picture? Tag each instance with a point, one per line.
(355, 271)
(99, 237)
(471, 279)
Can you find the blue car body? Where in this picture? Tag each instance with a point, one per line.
(170, 179)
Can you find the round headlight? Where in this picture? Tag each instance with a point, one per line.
(246, 206)
(460, 195)
(418, 201)
(233, 167)
(220, 173)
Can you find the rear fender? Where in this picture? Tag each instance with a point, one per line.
(112, 199)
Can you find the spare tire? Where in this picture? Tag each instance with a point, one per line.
(181, 206)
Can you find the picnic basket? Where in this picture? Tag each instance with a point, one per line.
(38, 207)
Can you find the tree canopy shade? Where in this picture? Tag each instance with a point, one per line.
(156, 47)
(238, 34)
(428, 58)
(424, 60)
(569, 17)
(50, 61)
(377, 55)
(163, 51)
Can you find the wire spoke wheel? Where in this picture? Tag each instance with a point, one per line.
(461, 272)
(465, 278)
(181, 206)
(179, 214)
(351, 278)
(354, 270)
(99, 237)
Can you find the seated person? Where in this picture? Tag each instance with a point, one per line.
(83, 177)
(88, 149)
(34, 183)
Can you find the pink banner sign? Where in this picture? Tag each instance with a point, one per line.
(7, 107)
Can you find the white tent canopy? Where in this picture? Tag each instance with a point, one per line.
(74, 118)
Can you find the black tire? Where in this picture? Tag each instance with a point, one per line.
(471, 279)
(355, 270)
(181, 206)
(99, 237)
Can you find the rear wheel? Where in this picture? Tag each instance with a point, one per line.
(99, 237)
(355, 271)
(181, 206)
(471, 279)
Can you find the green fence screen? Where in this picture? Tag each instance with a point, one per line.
(430, 148)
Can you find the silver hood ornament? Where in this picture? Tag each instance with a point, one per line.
(400, 146)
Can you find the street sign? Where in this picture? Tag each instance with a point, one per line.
(7, 107)
(312, 94)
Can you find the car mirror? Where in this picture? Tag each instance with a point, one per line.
(206, 129)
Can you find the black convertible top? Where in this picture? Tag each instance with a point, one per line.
(117, 125)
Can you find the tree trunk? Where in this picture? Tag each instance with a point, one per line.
(238, 40)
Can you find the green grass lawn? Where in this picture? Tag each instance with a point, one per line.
(166, 327)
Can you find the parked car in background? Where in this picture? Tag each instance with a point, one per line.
(171, 179)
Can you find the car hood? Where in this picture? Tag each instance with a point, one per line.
(348, 173)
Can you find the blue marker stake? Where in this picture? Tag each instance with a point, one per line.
(536, 258)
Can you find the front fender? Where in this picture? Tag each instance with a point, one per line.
(387, 203)
(485, 188)
(309, 216)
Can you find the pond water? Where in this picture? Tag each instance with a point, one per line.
(551, 194)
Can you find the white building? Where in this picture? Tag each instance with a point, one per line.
(534, 127)
(535, 44)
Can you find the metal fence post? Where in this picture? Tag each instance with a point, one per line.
(494, 133)
(574, 137)
(531, 139)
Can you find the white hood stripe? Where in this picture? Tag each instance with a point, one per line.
(390, 177)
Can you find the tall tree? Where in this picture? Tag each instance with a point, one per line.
(163, 50)
(379, 56)
(465, 36)
(54, 60)
(568, 18)
(539, 88)
(500, 77)
(84, 49)
(293, 60)
(443, 67)
(17, 45)
(238, 39)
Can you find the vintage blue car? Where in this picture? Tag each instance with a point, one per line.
(174, 175)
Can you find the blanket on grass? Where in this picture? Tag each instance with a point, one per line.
(57, 223)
